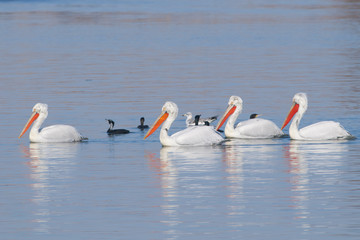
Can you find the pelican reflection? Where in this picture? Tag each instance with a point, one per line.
(48, 163)
(240, 155)
(306, 160)
(233, 161)
(185, 173)
(260, 149)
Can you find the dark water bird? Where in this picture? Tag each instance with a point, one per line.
(254, 115)
(196, 120)
(142, 126)
(112, 131)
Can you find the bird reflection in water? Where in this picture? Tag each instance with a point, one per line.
(299, 180)
(234, 175)
(236, 162)
(48, 163)
(185, 175)
(167, 173)
(308, 158)
(233, 160)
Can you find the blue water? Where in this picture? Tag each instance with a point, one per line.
(91, 60)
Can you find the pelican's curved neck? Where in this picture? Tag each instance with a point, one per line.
(165, 139)
(294, 126)
(299, 99)
(35, 129)
(230, 125)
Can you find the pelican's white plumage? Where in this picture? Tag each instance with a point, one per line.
(252, 128)
(54, 133)
(191, 136)
(325, 130)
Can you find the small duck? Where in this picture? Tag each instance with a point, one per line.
(142, 126)
(112, 131)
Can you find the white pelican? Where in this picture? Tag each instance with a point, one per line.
(54, 133)
(191, 136)
(202, 121)
(252, 128)
(326, 130)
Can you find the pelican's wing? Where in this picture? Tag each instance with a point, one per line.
(258, 128)
(64, 133)
(324, 130)
(195, 136)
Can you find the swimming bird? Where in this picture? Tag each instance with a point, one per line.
(252, 128)
(142, 126)
(191, 122)
(191, 136)
(112, 131)
(54, 133)
(254, 115)
(325, 130)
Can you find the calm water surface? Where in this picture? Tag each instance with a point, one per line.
(91, 60)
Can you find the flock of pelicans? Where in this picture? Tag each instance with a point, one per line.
(198, 131)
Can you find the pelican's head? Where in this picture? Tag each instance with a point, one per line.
(235, 104)
(39, 108)
(235, 101)
(169, 109)
(301, 99)
(299, 104)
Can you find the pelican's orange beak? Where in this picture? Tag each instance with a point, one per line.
(157, 123)
(294, 109)
(32, 118)
(230, 110)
